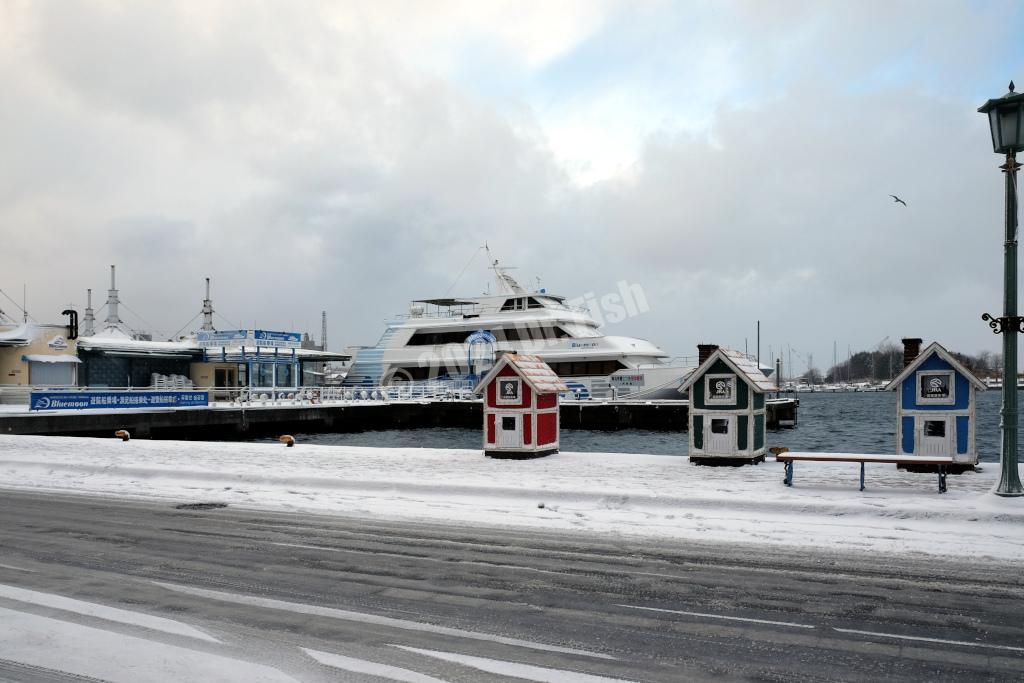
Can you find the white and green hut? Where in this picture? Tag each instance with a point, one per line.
(727, 408)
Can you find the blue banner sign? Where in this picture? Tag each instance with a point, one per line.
(84, 400)
(236, 338)
(222, 337)
(288, 340)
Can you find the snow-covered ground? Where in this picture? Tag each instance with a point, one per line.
(605, 493)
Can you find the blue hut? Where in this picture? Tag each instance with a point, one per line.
(935, 407)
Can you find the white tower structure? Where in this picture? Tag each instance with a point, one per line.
(207, 309)
(113, 321)
(89, 320)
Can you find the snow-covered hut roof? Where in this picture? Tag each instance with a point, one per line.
(937, 348)
(739, 363)
(537, 374)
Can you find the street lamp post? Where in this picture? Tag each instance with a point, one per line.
(1006, 120)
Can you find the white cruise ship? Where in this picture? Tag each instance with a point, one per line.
(457, 338)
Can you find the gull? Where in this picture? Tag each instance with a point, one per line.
(897, 199)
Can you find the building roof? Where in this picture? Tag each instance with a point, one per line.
(22, 335)
(935, 348)
(537, 374)
(117, 342)
(47, 358)
(739, 363)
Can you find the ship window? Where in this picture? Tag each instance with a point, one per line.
(594, 367)
(516, 305)
(580, 331)
(438, 338)
(527, 333)
(533, 303)
(512, 334)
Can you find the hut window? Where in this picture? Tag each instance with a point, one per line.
(509, 390)
(935, 388)
(720, 389)
(508, 424)
(935, 428)
(719, 425)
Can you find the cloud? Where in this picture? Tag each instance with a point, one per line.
(735, 159)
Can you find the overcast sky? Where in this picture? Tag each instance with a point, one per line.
(735, 159)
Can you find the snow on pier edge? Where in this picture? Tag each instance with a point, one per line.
(598, 493)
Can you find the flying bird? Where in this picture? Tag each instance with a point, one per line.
(898, 200)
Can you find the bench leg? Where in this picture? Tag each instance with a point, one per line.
(862, 476)
(942, 478)
(788, 479)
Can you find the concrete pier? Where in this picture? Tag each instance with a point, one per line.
(237, 423)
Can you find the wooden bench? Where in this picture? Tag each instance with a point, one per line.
(790, 457)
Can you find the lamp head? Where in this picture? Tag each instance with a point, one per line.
(1006, 121)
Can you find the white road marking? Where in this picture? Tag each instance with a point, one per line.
(965, 643)
(362, 666)
(514, 669)
(92, 609)
(103, 655)
(20, 569)
(364, 618)
(720, 616)
(496, 565)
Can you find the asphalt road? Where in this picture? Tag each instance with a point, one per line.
(464, 604)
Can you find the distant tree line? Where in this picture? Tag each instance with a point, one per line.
(886, 362)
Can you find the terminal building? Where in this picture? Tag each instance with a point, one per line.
(37, 354)
(115, 357)
(261, 361)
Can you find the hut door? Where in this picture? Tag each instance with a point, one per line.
(935, 436)
(508, 432)
(720, 434)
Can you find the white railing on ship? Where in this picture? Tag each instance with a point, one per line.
(476, 310)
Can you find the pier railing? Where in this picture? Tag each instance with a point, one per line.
(15, 396)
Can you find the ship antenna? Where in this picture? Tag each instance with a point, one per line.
(465, 267)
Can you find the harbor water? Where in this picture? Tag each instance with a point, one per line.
(842, 422)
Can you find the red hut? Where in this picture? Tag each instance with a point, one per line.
(520, 407)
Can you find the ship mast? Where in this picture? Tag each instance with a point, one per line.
(506, 284)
